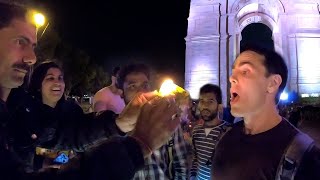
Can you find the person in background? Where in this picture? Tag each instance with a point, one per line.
(206, 136)
(109, 98)
(43, 120)
(168, 161)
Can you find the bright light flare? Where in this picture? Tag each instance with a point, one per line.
(167, 88)
(284, 96)
(39, 19)
(36, 18)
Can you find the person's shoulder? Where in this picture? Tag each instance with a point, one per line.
(102, 93)
(104, 90)
(197, 127)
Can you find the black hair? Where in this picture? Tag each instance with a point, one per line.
(211, 88)
(115, 71)
(273, 63)
(131, 68)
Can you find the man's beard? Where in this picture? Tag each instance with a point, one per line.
(210, 117)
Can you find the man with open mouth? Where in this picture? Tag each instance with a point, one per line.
(264, 145)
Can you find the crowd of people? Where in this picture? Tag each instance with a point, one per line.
(133, 132)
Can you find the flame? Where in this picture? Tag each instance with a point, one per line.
(167, 88)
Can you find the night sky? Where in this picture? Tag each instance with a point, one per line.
(116, 32)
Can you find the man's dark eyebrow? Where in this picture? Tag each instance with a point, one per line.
(28, 41)
(131, 82)
(242, 64)
(50, 74)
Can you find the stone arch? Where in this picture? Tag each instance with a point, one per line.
(238, 4)
(257, 11)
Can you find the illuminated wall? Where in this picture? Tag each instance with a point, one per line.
(214, 34)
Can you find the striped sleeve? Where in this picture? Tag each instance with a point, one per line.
(195, 163)
(179, 155)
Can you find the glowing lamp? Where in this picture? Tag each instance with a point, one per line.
(36, 18)
(39, 19)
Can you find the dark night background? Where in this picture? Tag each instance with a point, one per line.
(117, 32)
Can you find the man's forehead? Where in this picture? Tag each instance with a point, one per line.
(136, 76)
(248, 57)
(25, 28)
(209, 95)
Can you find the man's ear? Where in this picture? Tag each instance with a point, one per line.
(220, 111)
(220, 108)
(275, 81)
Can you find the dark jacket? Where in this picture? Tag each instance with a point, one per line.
(115, 158)
(64, 127)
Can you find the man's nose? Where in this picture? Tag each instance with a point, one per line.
(233, 79)
(144, 87)
(30, 56)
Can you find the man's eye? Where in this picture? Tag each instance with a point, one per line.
(50, 78)
(244, 72)
(132, 86)
(21, 42)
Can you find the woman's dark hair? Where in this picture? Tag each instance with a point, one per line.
(38, 76)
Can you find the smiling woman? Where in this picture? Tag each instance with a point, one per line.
(46, 124)
(47, 83)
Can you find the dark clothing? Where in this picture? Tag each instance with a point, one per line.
(117, 158)
(64, 127)
(240, 156)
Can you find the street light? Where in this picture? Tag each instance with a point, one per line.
(38, 19)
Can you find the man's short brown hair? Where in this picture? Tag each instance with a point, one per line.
(10, 11)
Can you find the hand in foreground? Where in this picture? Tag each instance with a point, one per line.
(156, 123)
(128, 117)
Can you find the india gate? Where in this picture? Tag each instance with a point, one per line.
(218, 28)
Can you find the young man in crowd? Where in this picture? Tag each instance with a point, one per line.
(169, 161)
(205, 136)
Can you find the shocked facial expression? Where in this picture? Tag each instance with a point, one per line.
(17, 42)
(248, 84)
(52, 86)
(208, 106)
(133, 84)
